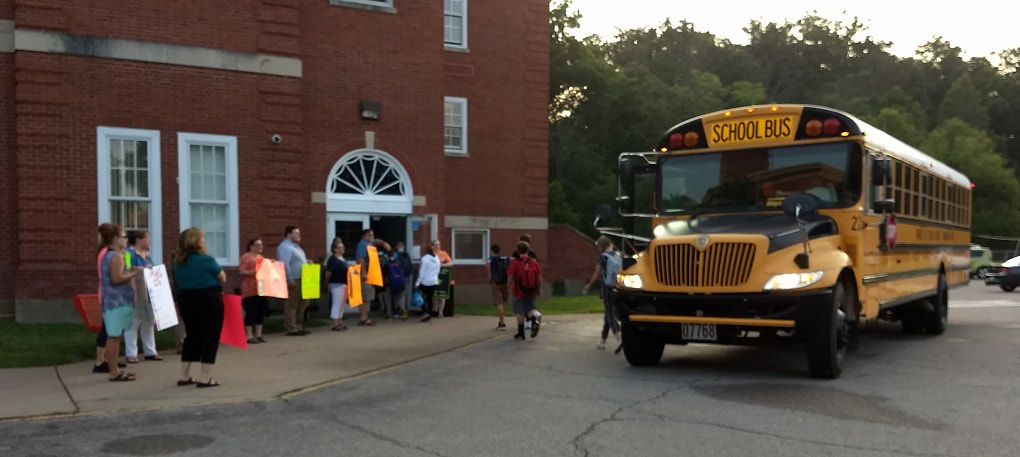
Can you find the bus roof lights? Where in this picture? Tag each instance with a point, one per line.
(691, 139)
(750, 110)
(830, 126)
(676, 140)
(844, 134)
(813, 127)
(728, 114)
(774, 109)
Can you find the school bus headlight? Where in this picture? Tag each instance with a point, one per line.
(629, 281)
(793, 280)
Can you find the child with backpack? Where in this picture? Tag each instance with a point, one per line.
(525, 278)
(497, 273)
(607, 265)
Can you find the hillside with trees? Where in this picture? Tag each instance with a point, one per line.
(612, 96)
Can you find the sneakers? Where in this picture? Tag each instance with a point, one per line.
(534, 328)
(426, 318)
(105, 367)
(501, 327)
(519, 336)
(602, 344)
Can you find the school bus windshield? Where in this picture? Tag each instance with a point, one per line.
(759, 179)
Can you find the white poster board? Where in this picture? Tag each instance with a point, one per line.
(160, 297)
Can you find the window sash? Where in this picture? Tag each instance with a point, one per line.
(208, 192)
(455, 125)
(128, 181)
(455, 23)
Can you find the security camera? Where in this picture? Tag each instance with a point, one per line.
(276, 138)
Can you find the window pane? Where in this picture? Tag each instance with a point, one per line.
(130, 215)
(469, 245)
(212, 219)
(452, 137)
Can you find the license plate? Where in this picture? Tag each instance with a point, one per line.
(699, 332)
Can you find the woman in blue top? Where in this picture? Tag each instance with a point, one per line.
(336, 282)
(199, 281)
(117, 296)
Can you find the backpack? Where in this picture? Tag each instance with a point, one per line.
(396, 277)
(526, 277)
(498, 265)
(611, 265)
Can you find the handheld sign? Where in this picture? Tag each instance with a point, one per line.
(271, 279)
(161, 299)
(310, 281)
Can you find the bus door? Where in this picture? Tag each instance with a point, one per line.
(876, 258)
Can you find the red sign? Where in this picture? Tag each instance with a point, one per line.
(890, 232)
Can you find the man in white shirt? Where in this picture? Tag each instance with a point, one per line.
(293, 257)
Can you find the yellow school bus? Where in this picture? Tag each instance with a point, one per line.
(786, 223)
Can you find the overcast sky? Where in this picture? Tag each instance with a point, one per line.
(978, 27)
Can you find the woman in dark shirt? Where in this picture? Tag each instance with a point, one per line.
(336, 281)
(199, 281)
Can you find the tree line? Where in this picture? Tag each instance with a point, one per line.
(620, 95)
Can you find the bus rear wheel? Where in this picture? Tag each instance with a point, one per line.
(828, 342)
(642, 348)
(936, 319)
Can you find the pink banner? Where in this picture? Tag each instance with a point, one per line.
(233, 322)
(271, 277)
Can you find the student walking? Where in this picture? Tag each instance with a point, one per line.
(607, 265)
(428, 278)
(497, 273)
(525, 278)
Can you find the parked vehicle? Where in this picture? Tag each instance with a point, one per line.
(1007, 276)
(980, 261)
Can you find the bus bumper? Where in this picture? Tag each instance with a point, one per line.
(733, 317)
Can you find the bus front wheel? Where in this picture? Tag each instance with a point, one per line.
(642, 348)
(828, 342)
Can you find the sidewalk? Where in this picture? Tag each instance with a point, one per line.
(286, 364)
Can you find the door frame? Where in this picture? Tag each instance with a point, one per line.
(333, 218)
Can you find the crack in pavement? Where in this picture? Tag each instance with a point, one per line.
(66, 390)
(333, 416)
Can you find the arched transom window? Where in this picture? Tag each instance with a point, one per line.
(368, 176)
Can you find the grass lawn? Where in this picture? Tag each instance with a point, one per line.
(35, 345)
(554, 305)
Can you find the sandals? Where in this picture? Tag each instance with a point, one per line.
(123, 376)
(154, 357)
(132, 360)
(189, 382)
(212, 383)
(261, 339)
(367, 323)
(339, 328)
(253, 341)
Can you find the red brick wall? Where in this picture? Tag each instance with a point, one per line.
(348, 54)
(571, 254)
(8, 191)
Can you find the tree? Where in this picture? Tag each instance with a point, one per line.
(964, 102)
(997, 191)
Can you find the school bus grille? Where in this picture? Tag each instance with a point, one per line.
(719, 265)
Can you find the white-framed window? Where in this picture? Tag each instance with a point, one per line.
(128, 182)
(373, 3)
(470, 246)
(455, 125)
(207, 183)
(455, 23)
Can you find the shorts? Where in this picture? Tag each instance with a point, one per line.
(523, 304)
(500, 294)
(117, 320)
(367, 292)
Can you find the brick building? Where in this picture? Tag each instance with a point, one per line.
(420, 119)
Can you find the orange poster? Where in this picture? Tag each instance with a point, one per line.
(374, 276)
(354, 286)
(271, 279)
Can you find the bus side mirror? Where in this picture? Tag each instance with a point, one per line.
(881, 172)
